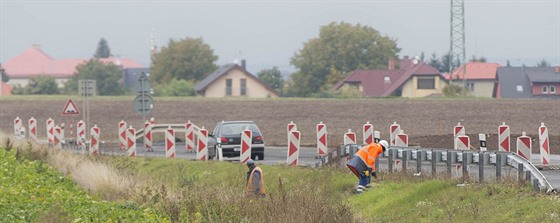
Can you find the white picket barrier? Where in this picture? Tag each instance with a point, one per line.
(402, 139)
(524, 146)
(148, 136)
(504, 138)
(189, 136)
(50, 130)
(131, 142)
(170, 143)
(245, 152)
(293, 148)
(367, 133)
(123, 136)
(32, 125)
(394, 129)
(202, 145)
(458, 130)
(322, 148)
(95, 133)
(544, 145)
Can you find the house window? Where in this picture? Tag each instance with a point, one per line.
(544, 89)
(519, 88)
(552, 89)
(470, 86)
(426, 83)
(387, 79)
(228, 87)
(243, 86)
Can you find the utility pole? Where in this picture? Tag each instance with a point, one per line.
(457, 38)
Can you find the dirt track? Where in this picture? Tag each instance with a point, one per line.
(428, 123)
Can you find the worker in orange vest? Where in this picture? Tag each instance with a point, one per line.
(363, 163)
(255, 180)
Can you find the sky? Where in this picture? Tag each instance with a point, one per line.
(268, 33)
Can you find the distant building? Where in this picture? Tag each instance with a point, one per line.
(480, 78)
(33, 62)
(528, 82)
(412, 79)
(233, 80)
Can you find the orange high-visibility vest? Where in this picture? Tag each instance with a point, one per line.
(250, 191)
(369, 153)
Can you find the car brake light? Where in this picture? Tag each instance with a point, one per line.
(258, 138)
(223, 140)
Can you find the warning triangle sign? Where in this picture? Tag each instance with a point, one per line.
(70, 108)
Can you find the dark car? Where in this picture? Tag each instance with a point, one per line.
(227, 135)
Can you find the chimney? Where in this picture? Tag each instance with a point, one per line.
(557, 69)
(391, 65)
(243, 64)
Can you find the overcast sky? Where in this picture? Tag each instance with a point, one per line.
(267, 33)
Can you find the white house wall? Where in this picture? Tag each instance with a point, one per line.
(253, 88)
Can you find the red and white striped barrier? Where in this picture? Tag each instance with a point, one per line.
(148, 136)
(458, 130)
(349, 137)
(32, 125)
(322, 148)
(503, 137)
(402, 139)
(367, 131)
(394, 129)
(376, 136)
(123, 135)
(293, 148)
(50, 130)
(290, 127)
(524, 146)
(81, 134)
(245, 153)
(18, 125)
(62, 132)
(543, 144)
(71, 129)
(57, 140)
(170, 143)
(482, 140)
(131, 142)
(94, 143)
(202, 145)
(189, 136)
(462, 143)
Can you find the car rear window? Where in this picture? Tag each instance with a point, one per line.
(236, 128)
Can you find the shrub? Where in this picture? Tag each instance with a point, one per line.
(455, 90)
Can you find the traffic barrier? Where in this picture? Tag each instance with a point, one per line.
(504, 137)
(71, 129)
(376, 136)
(18, 125)
(131, 142)
(543, 144)
(482, 140)
(349, 137)
(402, 139)
(293, 148)
(81, 135)
(50, 130)
(245, 153)
(57, 137)
(170, 143)
(524, 146)
(394, 129)
(367, 131)
(462, 143)
(61, 132)
(202, 145)
(458, 130)
(94, 144)
(290, 127)
(123, 135)
(148, 136)
(322, 148)
(32, 125)
(189, 136)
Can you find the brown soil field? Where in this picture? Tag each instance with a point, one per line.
(428, 122)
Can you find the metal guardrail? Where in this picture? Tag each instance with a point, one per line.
(466, 158)
(163, 127)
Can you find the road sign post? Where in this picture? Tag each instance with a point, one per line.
(143, 103)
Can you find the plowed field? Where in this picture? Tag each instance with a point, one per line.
(428, 122)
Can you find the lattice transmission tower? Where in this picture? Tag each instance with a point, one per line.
(457, 39)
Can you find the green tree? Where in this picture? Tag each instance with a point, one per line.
(508, 64)
(435, 62)
(106, 75)
(176, 88)
(187, 59)
(340, 48)
(38, 85)
(103, 50)
(273, 78)
(543, 63)
(5, 77)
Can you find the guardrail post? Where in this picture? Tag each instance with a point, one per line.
(448, 156)
(377, 164)
(405, 160)
(528, 175)
(434, 163)
(390, 161)
(465, 166)
(520, 172)
(498, 167)
(419, 157)
(536, 185)
(481, 167)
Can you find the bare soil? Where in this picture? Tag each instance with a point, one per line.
(428, 122)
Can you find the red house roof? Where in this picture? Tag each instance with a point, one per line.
(477, 70)
(34, 62)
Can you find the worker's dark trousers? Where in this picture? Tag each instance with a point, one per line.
(362, 183)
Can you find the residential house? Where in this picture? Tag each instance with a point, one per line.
(233, 80)
(412, 79)
(34, 62)
(480, 78)
(528, 82)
